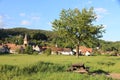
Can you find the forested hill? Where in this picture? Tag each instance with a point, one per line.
(18, 31)
(16, 35)
(4, 33)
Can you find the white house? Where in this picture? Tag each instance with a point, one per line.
(64, 51)
(84, 50)
(36, 48)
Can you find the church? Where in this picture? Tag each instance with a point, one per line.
(13, 48)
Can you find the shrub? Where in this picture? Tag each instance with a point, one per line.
(47, 52)
(29, 50)
(35, 53)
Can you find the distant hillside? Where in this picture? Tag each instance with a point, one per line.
(22, 31)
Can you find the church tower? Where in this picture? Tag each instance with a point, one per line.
(25, 40)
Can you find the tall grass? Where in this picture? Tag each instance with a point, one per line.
(41, 67)
(43, 71)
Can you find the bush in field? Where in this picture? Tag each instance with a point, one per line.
(28, 50)
(47, 52)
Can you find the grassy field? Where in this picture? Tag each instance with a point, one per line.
(53, 67)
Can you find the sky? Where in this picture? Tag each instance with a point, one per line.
(38, 14)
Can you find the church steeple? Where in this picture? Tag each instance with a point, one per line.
(25, 40)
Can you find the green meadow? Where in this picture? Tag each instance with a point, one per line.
(53, 67)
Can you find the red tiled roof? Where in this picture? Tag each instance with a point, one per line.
(13, 46)
(84, 49)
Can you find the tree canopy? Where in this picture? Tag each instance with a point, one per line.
(77, 26)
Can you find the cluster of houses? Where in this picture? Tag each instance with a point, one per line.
(13, 48)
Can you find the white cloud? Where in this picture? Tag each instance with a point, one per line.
(101, 10)
(31, 17)
(25, 22)
(22, 14)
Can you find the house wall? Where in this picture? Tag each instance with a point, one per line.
(66, 53)
(36, 48)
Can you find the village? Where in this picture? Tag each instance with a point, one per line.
(13, 49)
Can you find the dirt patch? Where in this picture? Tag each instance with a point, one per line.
(114, 75)
(111, 75)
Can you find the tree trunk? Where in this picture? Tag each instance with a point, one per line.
(77, 50)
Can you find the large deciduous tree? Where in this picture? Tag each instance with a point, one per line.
(77, 26)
